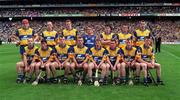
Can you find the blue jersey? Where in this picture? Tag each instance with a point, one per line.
(89, 40)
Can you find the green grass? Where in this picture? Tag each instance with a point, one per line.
(9, 90)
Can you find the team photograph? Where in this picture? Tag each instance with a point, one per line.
(89, 50)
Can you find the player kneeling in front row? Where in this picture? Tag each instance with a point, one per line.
(112, 59)
(28, 63)
(63, 61)
(130, 57)
(98, 53)
(78, 59)
(148, 61)
(44, 55)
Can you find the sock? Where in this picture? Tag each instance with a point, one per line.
(137, 77)
(21, 76)
(158, 79)
(122, 78)
(145, 80)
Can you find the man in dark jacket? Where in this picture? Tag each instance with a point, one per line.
(158, 44)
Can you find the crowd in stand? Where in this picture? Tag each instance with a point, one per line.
(169, 30)
(118, 10)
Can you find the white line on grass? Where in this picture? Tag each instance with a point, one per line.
(171, 54)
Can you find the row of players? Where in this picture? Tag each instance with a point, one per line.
(89, 40)
(80, 57)
(70, 34)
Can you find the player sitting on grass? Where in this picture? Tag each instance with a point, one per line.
(45, 55)
(27, 65)
(112, 58)
(130, 56)
(63, 61)
(148, 60)
(97, 54)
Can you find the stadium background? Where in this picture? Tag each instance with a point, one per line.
(162, 17)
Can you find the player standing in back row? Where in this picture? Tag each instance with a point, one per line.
(69, 33)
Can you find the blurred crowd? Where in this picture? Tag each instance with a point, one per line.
(112, 10)
(169, 30)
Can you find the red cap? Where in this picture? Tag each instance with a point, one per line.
(25, 21)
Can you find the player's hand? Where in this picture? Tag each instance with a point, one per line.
(43, 66)
(152, 63)
(80, 65)
(149, 64)
(18, 43)
(128, 63)
(60, 65)
(113, 68)
(132, 63)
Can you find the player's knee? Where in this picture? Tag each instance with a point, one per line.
(67, 64)
(17, 64)
(123, 64)
(118, 66)
(91, 66)
(32, 65)
(107, 66)
(85, 66)
(137, 64)
(72, 66)
(47, 66)
(144, 66)
(158, 66)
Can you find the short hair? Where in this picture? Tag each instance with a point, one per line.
(89, 26)
(43, 41)
(79, 37)
(108, 26)
(143, 21)
(61, 36)
(68, 20)
(125, 25)
(145, 38)
(113, 40)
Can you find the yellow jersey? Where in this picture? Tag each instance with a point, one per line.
(147, 53)
(50, 37)
(113, 54)
(105, 36)
(98, 54)
(30, 52)
(62, 52)
(24, 35)
(140, 36)
(80, 53)
(122, 39)
(129, 55)
(45, 55)
(70, 36)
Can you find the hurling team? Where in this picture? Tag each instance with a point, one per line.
(99, 59)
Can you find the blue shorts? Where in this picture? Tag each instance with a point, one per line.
(22, 50)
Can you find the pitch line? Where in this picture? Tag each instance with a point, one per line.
(171, 54)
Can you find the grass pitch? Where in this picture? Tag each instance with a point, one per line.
(169, 58)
